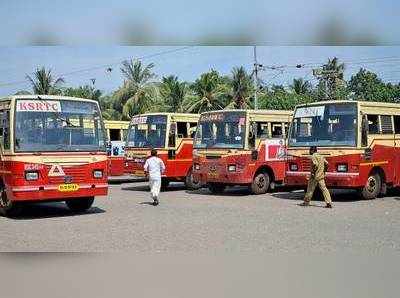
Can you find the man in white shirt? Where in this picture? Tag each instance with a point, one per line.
(154, 167)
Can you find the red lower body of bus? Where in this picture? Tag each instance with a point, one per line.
(47, 187)
(116, 166)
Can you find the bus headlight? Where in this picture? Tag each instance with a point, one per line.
(293, 167)
(342, 167)
(196, 166)
(98, 174)
(232, 168)
(30, 176)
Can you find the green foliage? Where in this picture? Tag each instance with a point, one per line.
(212, 91)
(209, 93)
(86, 91)
(43, 82)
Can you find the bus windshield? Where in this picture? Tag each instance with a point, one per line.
(58, 125)
(147, 131)
(221, 130)
(324, 125)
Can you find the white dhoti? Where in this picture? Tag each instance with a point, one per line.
(155, 186)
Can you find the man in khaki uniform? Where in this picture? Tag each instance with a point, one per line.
(317, 178)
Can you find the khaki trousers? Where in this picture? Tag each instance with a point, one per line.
(312, 184)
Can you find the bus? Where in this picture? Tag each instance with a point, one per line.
(360, 140)
(240, 147)
(116, 132)
(172, 135)
(53, 148)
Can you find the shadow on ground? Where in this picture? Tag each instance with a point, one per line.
(49, 210)
(340, 195)
(144, 187)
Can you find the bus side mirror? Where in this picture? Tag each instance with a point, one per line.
(364, 131)
(252, 135)
(172, 133)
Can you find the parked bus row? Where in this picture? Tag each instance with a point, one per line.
(55, 148)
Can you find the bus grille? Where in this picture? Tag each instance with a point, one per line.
(305, 164)
(78, 175)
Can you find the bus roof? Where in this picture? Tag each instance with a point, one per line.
(360, 102)
(255, 112)
(45, 97)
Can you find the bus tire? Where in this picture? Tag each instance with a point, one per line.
(189, 181)
(80, 205)
(164, 183)
(260, 184)
(372, 187)
(8, 208)
(216, 188)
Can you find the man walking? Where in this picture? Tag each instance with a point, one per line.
(154, 167)
(317, 178)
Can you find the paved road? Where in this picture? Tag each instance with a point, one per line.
(201, 222)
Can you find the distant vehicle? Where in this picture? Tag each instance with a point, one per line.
(52, 148)
(240, 147)
(360, 140)
(172, 135)
(116, 133)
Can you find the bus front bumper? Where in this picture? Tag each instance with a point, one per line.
(51, 192)
(229, 178)
(332, 179)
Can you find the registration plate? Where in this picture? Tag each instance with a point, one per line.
(68, 187)
(212, 175)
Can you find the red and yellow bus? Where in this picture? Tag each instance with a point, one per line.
(360, 140)
(116, 133)
(172, 135)
(52, 148)
(240, 147)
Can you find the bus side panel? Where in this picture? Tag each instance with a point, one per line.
(184, 157)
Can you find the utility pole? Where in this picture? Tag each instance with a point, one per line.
(255, 77)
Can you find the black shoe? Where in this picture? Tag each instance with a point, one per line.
(155, 202)
(305, 204)
(329, 205)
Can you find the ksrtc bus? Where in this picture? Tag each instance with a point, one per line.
(240, 147)
(172, 135)
(360, 140)
(52, 148)
(116, 132)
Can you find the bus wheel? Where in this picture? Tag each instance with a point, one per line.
(80, 205)
(8, 208)
(164, 183)
(260, 184)
(216, 188)
(190, 183)
(372, 187)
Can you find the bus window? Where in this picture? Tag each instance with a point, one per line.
(397, 124)
(172, 135)
(192, 129)
(5, 129)
(373, 126)
(182, 130)
(115, 135)
(386, 124)
(276, 130)
(262, 130)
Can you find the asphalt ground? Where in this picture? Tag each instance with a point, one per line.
(199, 222)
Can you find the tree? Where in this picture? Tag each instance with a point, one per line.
(300, 86)
(331, 81)
(241, 88)
(86, 91)
(208, 92)
(43, 82)
(173, 93)
(136, 94)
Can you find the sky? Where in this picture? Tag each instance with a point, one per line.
(79, 64)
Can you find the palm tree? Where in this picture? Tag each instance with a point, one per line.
(208, 93)
(241, 88)
(332, 78)
(300, 86)
(86, 91)
(136, 94)
(173, 93)
(43, 82)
